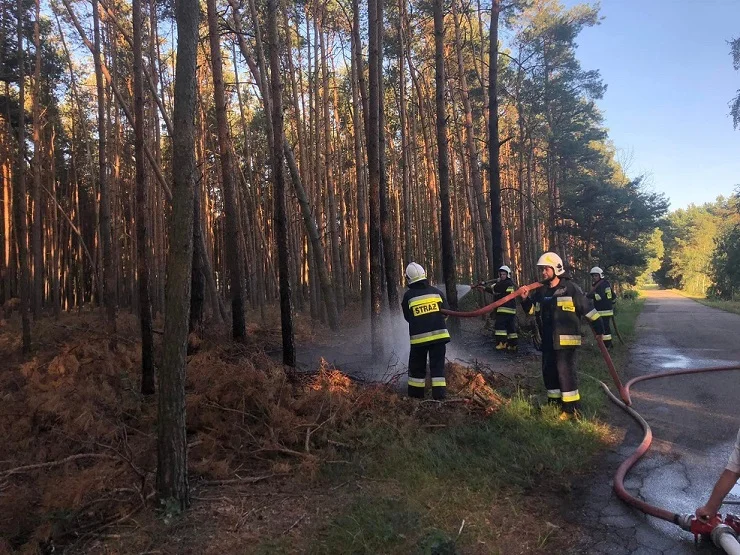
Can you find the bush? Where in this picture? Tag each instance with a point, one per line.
(631, 294)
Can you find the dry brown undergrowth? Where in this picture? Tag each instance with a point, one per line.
(79, 442)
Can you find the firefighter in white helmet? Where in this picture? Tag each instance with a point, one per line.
(603, 297)
(428, 333)
(558, 307)
(505, 328)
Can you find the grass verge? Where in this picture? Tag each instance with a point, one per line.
(727, 306)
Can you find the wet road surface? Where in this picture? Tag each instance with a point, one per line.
(694, 421)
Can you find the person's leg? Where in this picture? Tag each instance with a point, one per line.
(607, 331)
(566, 365)
(500, 331)
(437, 370)
(417, 371)
(550, 377)
(512, 335)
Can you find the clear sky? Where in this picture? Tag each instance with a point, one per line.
(670, 78)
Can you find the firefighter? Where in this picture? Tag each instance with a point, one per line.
(603, 298)
(558, 307)
(505, 327)
(428, 333)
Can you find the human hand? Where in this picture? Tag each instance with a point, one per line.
(705, 512)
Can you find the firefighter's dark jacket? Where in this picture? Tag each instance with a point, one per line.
(558, 311)
(499, 290)
(603, 297)
(421, 308)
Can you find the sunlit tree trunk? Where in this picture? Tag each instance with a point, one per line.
(238, 327)
(448, 247)
(172, 445)
(19, 202)
(493, 140)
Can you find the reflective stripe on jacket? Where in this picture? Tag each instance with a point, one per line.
(558, 311)
(421, 308)
(603, 297)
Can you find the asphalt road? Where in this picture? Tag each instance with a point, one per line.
(694, 421)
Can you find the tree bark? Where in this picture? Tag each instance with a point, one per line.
(143, 250)
(373, 162)
(36, 222)
(448, 247)
(286, 308)
(493, 140)
(172, 447)
(231, 239)
(19, 202)
(108, 285)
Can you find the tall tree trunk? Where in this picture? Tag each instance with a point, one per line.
(475, 174)
(108, 285)
(36, 223)
(143, 256)
(238, 327)
(405, 156)
(286, 309)
(358, 73)
(386, 220)
(373, 163)
(172, 445)
(493, 140)
(19, 202)
(448, 247)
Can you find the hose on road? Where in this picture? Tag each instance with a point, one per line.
(681, 520)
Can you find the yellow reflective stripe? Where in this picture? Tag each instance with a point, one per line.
(554, 394)
(608, 292)
(564, 300)
(597, 297)
(593, 315)
(500, 332)
(513, 336)
(505, 310)
(429, 336)
(606, 312)
(417, 382)
(510, 290)
(439, 382)
(570, 396)
(567, 340)
(531, 310)
(423, 299)
(607, 337)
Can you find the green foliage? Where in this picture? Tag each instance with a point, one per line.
(725, 262)
(655, 251)
(631, 294)
(700, 249)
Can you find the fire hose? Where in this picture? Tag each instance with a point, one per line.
(723, 532)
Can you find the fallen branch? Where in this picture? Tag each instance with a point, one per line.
(51, 464)
(245, 480)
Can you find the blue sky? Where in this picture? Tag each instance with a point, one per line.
(670, 78)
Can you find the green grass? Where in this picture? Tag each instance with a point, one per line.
(727, 306)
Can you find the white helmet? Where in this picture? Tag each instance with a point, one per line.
(597, 270)
(415, 272)
(554, 261)
(506, 269)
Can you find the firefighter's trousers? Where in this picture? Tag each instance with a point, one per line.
(561, 381)
(607, 331)
(418, 370)
(506, 329)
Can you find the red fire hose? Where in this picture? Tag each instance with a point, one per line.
(685, 521)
